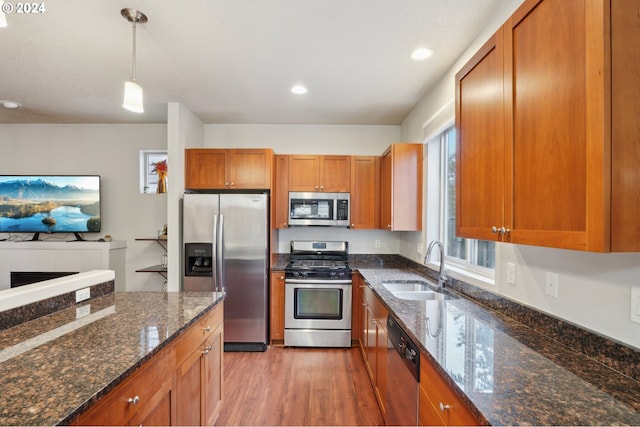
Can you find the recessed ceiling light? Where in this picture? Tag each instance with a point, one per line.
(421, 53)
(9, 104)
(299, 89)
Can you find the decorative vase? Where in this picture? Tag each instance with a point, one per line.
(162, 182)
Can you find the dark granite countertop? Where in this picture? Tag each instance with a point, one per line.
(52, 368)
(508, 373)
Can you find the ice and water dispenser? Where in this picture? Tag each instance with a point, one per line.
(198, 259)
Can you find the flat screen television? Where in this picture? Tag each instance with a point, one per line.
(50, 204)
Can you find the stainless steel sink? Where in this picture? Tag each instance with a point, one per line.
(408, 286)
(416, 290)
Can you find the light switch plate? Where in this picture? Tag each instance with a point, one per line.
(635, 305)
(83, 294)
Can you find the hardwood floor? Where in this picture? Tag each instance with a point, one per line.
(298, 386)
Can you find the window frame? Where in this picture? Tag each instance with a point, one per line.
(461, 267)
(146, 183)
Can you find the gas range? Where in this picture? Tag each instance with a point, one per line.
(312, 260)
(318, 295)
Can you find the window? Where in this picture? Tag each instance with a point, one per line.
(148, 176)
(472, 255)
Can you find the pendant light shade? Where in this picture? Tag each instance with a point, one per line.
(132, 90)
(133, 97)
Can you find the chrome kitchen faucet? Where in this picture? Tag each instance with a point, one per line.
(427, 260)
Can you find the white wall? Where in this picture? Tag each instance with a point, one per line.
(184, 130)
(111, 151)
(315, 139)
(594, 289)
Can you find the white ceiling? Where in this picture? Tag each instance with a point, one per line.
(232, 61)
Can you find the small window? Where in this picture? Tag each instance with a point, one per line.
(148, 174)
(477, 256)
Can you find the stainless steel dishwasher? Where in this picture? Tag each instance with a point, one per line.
(403, 375)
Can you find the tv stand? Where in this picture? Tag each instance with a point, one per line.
(36, 237)
(79, 238)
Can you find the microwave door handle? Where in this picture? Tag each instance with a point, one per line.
(220, 253)
(214, 248)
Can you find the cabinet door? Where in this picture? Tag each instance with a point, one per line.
(280, 193)
(480, 146)
(249, 169)
(304, 173)
(188, 386)
(365, 200)
(401, 187)
(212, 370)
(386, 194)
(555, 115)
(277, 307)
(158, 411)
(335, 173)
(205, 168)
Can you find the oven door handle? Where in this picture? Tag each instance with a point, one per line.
(319, 281)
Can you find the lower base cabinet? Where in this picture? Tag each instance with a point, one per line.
(439, 405)
(181, 385)
(373, 343)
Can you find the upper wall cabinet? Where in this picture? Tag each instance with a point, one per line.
(547, 150)
(228, 169)
(319, 173)
(401, 187)
(365, 192)
(280, 192)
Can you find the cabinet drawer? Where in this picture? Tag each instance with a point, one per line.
(438, 391)
(377, 309)
(197, 333)
(116, 408)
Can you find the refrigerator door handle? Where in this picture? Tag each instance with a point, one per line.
(220, 254)
(214, 261)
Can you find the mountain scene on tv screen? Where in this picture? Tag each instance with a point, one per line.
(45, 205)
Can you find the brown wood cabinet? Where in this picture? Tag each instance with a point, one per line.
(548, 147)
(228, 169)
(401, 187)
(199, 371)
(180, 385)
(145, 396)
(365, 192)
(319, 173)
(280, 192)
(373, 343)
(276, 309)
(439, 405)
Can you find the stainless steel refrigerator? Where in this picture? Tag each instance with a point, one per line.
(226, 248)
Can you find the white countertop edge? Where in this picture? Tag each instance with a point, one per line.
(23, 295)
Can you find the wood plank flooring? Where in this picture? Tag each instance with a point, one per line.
(297, 386)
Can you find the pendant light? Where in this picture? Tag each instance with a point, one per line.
(132, 90)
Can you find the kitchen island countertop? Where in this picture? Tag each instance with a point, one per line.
(506, 372)
(53, 368)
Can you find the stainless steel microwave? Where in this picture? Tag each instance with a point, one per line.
(316, 208)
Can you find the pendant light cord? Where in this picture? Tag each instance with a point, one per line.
(133, 65)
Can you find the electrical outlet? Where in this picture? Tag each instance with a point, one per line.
(635, 305)
(420, 249)
(511, 273)
(551, 284)
(377, 243)
(83, 294)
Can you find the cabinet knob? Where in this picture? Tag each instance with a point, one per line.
(389, 226)
(322, 187)
(353, 226)
(316, 187)
(373, 321)
(226, 184)
(281, 277)
(494, 229)
(233, 184)
(207, 349)
(134, 400)
(444, 407)
(205, 330)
